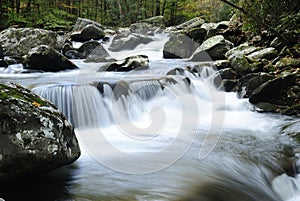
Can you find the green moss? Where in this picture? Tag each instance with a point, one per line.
(7, 92)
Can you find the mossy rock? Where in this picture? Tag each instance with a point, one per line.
(34, 135)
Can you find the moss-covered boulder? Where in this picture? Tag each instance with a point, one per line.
(47, 59)
(18, 42)
(34, 135)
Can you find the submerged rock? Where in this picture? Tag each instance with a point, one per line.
(48, 59)
(18, 42)
(34, 135)
(139, 62)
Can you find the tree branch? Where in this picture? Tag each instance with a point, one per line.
(258, 21)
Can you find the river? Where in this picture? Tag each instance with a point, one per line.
(145, 135)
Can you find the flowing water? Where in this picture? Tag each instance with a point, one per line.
(146, 135)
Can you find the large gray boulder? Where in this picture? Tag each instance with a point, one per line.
(215, 47)
(267, 53)
(179, 46)
(34, 135)
(18, 42)
(141, 28)
(47, 59)
(83, 22)
(157, 21)
(193, 23)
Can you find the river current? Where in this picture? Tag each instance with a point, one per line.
(154, 135)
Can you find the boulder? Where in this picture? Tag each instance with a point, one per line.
(256, 81)
(74, 54)
(3, 63)
(1, 53)
(267, 53)
(139, 62)
(141, 28)
(243, 49)
(157, 21)
(18, 42)
(272, 89)
(89, 32)
(216, 47)
(197, 34)
(193, 23)
(86, 48)
(34, 136)
(179, 46)
(99, 54)
(240, 64)
(228, 73)
(48, 59)
(221, 64)
(128, 42)
(83, 22)
(288, 62)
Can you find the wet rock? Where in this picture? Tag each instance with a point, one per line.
(88, 47)
(228, 73)
(83, 22)
(48, 59)
(34, 136)
(89, 32)
(292, 111)
(268, 53)
(271, 90)
(139, 62)
(99, 54)
(179, 46)
(18, 42)
(1, 53)
(67, 47)
(74, 54)
(128, 42)
(157, 21)
(216, 47)
(265, 107)
(292, 130)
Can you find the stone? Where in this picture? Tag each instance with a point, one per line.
(256, 81)
(141, 28)
(197, 34)
(74, 54)
(221, 64)
(288, 62)
(267, 53)
(216, 47)
(87, 48)
(1, 53)
(47, 59)
(228, 73)
(3, 63)
(243, 49)
(265, 107)
(83, 22)
(158, 21)
(240, 64)
(193, 23)
(139, 62)
(34, 136)
(128, 42)
(99, 54)
(89, 32)
(179, 46)
(18, 42)
(272, 88)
